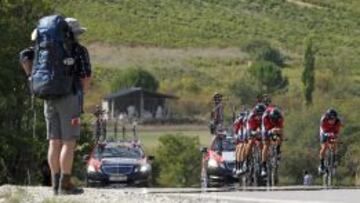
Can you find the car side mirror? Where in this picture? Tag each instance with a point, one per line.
(203, 149)
(151, 158)
(86, 158)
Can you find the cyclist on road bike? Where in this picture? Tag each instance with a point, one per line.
(217, 119)
(330, 125)
(99, 124)
(272, 124)
(98, 111)
(217, 113)
(253, 127)
(239, 128)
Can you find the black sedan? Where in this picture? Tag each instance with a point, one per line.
(118, 162)
(218, 167)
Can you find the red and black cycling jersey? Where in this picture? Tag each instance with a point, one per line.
(254, 122)
(327, 127)
(238, 125)
(268, 123)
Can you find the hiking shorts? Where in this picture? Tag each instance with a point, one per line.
(62, 117)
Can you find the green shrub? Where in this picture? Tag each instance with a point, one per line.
(19, 149)
(244, 90)
(261, 50)
(268, 76)
(134, 77)
(180, 160)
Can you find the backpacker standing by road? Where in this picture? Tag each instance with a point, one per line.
(59, 72)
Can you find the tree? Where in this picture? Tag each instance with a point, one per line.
(308, 75)
(134, 77)
(19, 150)
(268, 76)
(262, 51)
(244, 90)
(179, 158)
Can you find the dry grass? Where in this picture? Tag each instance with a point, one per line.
(149, 135)
(304, 4)
(123, 56)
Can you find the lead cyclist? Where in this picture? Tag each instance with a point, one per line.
(330, 125)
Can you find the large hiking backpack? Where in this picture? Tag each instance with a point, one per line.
(52, 74)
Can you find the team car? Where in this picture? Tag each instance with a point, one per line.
(218, 165)
(118, 162)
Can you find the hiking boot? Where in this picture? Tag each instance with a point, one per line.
(55, 179)
(66, 187)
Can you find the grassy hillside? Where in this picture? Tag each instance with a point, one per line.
(194, 47)
(205, 24)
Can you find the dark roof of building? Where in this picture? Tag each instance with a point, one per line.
(132, 90)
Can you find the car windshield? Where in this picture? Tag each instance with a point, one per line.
(227, 144)
(121, 152)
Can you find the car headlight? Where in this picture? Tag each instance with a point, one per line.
(91, 168)
(213, 163)
(145, 168)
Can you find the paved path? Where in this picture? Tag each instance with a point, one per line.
(279, 196)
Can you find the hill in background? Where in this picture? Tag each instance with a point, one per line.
(199, 42)
(194, 47)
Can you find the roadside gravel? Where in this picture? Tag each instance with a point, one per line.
(9, 193)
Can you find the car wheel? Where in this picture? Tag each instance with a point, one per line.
(88, 183)
(145, 184)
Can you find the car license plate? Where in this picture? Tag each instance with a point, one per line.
(118, 178)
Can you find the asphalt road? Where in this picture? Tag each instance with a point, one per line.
(277, 195)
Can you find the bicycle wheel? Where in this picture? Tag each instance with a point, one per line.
(256, 166)
(246, 179)
(331, 167)
(102, 130)
(326, 174)
(269, 166)
(274, 166)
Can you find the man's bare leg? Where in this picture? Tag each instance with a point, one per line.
(323, 148)
(54, 162)
(67, 156)
(66, 163)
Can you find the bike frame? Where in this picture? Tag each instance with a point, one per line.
(252, 177)
(100, 129)
(272, 163)
(329, 162)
